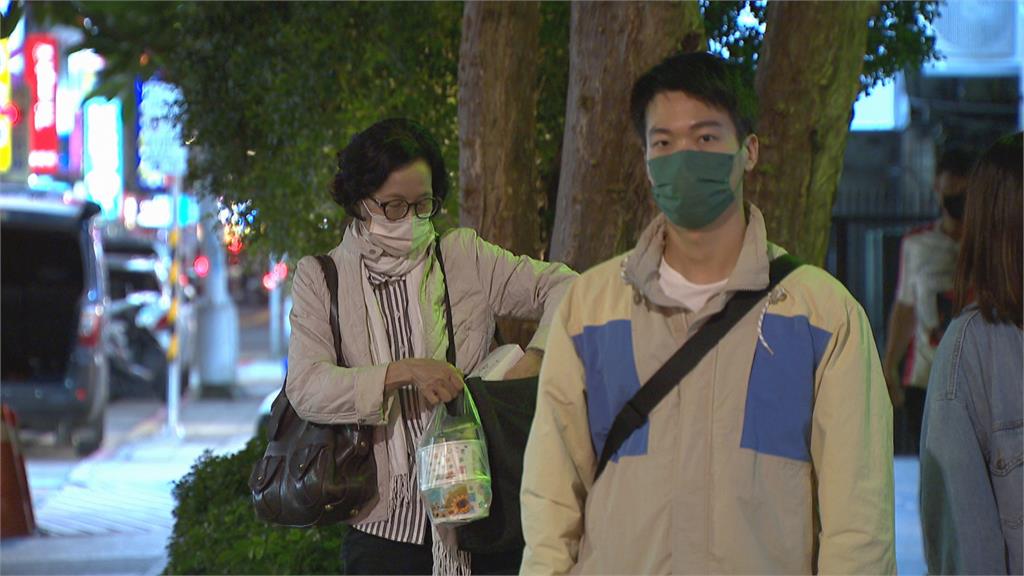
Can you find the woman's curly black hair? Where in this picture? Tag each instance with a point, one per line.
(373, 154)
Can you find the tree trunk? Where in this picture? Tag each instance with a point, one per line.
(497, 132)
(604, 198)
(497, 123)
(808, 74)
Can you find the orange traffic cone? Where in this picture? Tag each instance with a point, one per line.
(16, 517)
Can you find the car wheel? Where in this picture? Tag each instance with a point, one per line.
(89, 438)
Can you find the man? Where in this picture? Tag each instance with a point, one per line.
(924, 295)
(774, 455)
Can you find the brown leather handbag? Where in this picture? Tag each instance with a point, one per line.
(314, 474)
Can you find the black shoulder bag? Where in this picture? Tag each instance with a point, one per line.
(314, 474)
(634, 414)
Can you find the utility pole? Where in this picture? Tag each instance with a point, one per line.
(217, 316)
(274, 302)
(173, 427)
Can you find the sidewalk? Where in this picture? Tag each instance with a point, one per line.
(114, 513)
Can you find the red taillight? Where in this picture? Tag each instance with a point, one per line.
(201, 265)
(89, 326)
(81, 394)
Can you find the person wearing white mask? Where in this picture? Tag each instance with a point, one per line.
(391, 178)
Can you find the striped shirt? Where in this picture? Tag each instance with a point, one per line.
(408, 519)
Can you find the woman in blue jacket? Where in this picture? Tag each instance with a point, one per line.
(972, 440)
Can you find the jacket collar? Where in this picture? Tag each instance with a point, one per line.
(641, 265)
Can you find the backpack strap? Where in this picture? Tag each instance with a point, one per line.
(634, 413)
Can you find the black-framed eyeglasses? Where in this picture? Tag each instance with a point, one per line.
(397, 209)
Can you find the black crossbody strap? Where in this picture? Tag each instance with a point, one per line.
(331, 276)
(447, 306)
(634, 414)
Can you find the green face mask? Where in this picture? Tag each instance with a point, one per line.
(691, 187)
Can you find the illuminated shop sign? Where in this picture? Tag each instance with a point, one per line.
(83, 69)
(104, 180)
(162, 155)
(8, 112)
(157, 212)
(41, 78)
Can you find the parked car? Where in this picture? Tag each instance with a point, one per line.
(141, 327)
(54, 372)
(126, 244)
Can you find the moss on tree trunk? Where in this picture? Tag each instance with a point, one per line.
(807, 79)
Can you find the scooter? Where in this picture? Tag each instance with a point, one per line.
(137, 358)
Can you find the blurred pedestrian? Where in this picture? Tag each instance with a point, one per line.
(972, 479)
(923, 304)
(392, 298)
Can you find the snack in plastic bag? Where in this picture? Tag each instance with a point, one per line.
(454, 474)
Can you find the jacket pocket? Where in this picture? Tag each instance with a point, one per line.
(1006, 467)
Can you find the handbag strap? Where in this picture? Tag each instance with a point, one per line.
(447, 306)
(331, 276)
(634, 413)
(452, 405)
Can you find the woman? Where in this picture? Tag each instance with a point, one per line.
(392, 180)
(972, 477)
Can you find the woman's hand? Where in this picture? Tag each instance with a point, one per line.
(527, 367)
(435, 380)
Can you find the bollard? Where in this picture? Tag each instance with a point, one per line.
(16, 516)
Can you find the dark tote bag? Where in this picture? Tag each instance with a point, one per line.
(506, 411)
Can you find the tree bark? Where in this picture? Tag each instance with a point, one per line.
(497, 123)
(604, 198)
(807, 80)
(497, 132)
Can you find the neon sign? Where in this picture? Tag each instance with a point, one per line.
(104, 181)
(162, 156)
(8, 113)
(41, 77)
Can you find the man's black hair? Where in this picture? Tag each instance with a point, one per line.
(701, 75)
(373, 154)
(955, 162)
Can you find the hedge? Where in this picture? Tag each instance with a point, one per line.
(216, 530)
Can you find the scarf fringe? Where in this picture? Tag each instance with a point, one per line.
(448, 559)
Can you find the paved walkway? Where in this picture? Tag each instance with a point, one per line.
(113, 514)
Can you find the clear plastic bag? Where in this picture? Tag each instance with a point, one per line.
(454, 473)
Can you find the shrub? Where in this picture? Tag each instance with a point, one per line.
(216, 530)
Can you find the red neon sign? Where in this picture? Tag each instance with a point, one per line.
(41, 77)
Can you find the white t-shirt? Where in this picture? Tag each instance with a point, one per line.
(927, 265)
(678, 288)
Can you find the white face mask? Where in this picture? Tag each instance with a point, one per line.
(399, 238)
